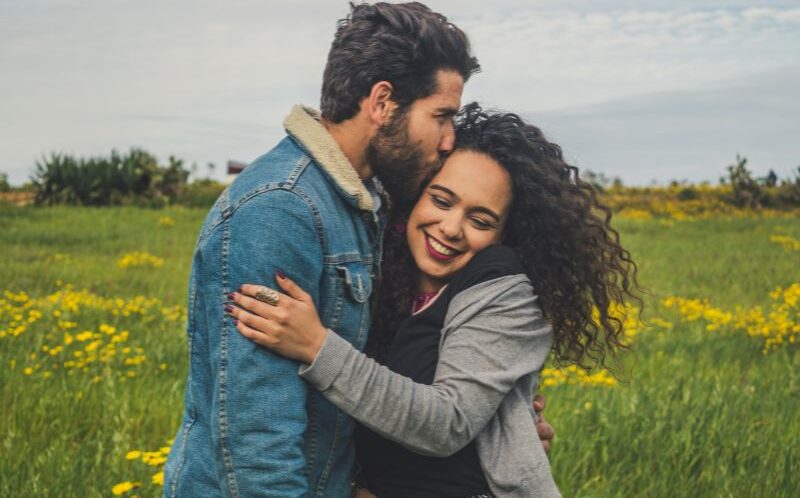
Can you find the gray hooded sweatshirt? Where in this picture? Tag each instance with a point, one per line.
(493, 345)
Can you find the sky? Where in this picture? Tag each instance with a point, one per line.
(648, 91)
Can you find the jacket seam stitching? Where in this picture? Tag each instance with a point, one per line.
(299, 192)
(297, 171)
(315, 213)
(221, 201)
(179, 468)
(223, 364)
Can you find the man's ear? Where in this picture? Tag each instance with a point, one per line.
(379, 104)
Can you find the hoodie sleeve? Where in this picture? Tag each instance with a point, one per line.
(494, 333)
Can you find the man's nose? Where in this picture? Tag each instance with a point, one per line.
(448, 140)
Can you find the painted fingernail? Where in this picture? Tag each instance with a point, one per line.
(229, 295)
(228, 308)
(235, 321)
(280, 274)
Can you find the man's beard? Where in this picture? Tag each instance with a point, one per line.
(398, 162)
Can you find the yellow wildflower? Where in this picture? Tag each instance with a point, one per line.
(133, 455)
(123, 487)
(140, 259)
(84, 336)
(788, 243)
(166, 221)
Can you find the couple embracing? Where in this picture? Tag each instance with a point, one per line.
(372, 301)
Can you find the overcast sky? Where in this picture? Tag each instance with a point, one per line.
(644, 90)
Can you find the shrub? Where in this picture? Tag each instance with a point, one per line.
(135, 178)
(688, 194)
(202, 193)
(746, 192)
(788, 192)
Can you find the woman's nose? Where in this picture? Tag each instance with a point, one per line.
(450, 226)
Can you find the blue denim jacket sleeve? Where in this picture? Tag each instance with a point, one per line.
(262, 401)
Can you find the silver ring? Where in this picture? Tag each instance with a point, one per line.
(267, 295)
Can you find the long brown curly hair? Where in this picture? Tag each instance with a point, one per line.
(560, 230)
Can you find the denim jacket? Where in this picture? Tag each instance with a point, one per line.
(251, 426)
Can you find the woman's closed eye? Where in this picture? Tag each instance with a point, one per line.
(481, 224)
(440, 202)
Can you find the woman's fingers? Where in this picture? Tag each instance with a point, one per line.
(246, 300)
(252, 320)
(254, 335)
(291, 288)
(539, 403)
(252, 291)
(545, 432)
(292, 326)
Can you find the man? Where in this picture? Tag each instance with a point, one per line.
(311, 210)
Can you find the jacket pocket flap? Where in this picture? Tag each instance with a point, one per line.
(358, 280)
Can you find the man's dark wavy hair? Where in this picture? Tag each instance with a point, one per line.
(560, 230)
(405, 44)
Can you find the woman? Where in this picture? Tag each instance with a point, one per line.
(459, 333)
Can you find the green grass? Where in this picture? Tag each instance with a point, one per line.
(696, 414)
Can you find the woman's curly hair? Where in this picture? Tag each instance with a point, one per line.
(560, 230)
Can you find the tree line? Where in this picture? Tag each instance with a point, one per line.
(136, 177)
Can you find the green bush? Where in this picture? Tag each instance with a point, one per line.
(135, 178)
(788, 192)
(746, 192)
(688, 194)
(202, 193)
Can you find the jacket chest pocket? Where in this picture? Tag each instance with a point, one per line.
(358, 281)
(345, 305)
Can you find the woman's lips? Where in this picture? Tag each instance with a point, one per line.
(434, 253)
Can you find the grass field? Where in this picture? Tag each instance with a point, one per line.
(94, 361)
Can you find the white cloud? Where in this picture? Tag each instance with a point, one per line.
(209, 81)
(559, 59)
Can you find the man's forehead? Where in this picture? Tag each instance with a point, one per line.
(449, 89)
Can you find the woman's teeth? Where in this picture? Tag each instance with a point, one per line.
(440, 248)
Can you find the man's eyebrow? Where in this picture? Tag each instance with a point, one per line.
(479, 209)
(447, 111)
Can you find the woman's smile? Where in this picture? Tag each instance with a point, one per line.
(438, 250)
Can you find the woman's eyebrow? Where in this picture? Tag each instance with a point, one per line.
(488, 211)
(452, 194)
(444, 189)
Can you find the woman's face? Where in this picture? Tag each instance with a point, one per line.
(462, 211)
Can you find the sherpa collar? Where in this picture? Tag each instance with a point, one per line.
(303, 124)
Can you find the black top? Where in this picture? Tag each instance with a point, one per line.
(389, 469)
